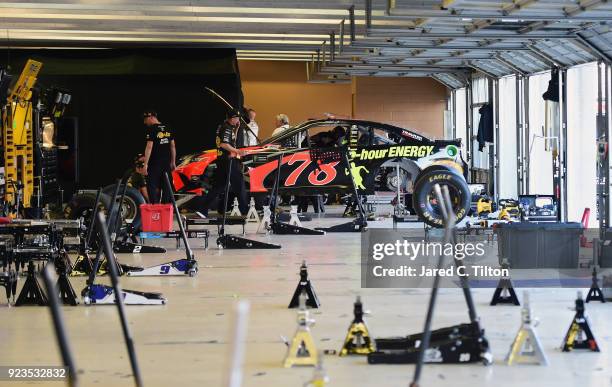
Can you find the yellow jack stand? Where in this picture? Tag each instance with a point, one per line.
(358, 340)
(302, 350)
(579, 334)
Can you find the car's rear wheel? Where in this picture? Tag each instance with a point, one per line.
(426, 204)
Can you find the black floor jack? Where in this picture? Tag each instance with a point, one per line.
(228, 241)
(278, 227)
(188, 265)
(463, 343)
(324, 156)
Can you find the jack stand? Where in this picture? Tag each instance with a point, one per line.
(31, 293)
(82, 266)
(526, 347)
(66, 291)
(264, 225)
(358, 340)
(295, 220)
(505, 294)
(579, 334)
(235, 208)
(304, 286)
(319, 376)
(595, 293)
(252, 215)
(302, 350)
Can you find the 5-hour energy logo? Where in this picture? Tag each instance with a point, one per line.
(416, 151)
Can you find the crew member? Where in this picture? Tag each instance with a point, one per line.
(282, 124)
(136, 178)
(159, 156)
(226, 150)
(251, 136)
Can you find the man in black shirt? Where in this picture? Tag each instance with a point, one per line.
(226, 151)
(159, 156)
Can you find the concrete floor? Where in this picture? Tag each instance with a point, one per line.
(185, 342)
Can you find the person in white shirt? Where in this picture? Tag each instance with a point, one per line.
(282, 124)
(251, 136)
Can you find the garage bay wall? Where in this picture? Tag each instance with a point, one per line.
(272, 87)
(416, 103)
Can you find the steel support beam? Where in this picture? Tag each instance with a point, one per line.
(603, 162)
(520, 176)
(496, 144)
(593, 49)
(403, 33)
(526, 135)
(510, 65)
(460, 15)
(563, 142)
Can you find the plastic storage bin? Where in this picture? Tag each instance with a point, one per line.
(540, 245)
(156, 217)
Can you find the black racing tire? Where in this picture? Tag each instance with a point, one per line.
(81, 205)
(424, 201)
(130, 208)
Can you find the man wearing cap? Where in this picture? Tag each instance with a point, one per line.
(226, 151)
(159, 156)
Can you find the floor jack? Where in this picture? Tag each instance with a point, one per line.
(84, 264)
(103, 294)
(464, 343)
(278, 227)
(526, 347)
(187, 266)
(302, 350)
(579, 334)
(341, 155)
(228, 241)
(504, 293)
(304, 286)
(60, 327)
(8, 279)
(358, 340)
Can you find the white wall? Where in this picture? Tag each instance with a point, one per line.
(460, 96)
(581, 143)
(540, 160)
(480, 94)
(508, 169)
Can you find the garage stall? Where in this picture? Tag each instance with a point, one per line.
(188, 186)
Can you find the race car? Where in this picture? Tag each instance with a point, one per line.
(373, 151)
